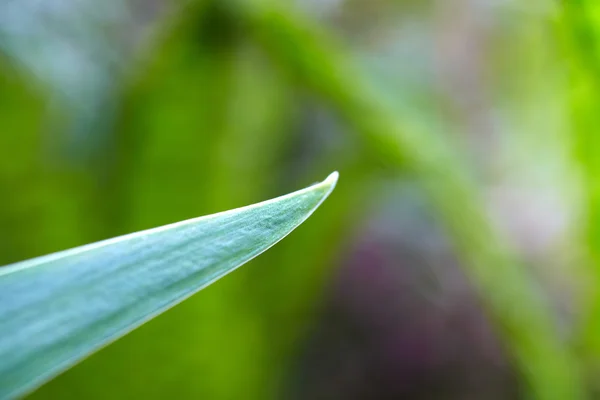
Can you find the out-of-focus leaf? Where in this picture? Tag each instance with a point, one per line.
(80, 51)
(46, 206)
(59, 308)
(506, 288)
(580, 32)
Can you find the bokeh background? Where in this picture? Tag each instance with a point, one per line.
(457, 258)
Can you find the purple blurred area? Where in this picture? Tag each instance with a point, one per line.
(400, 319)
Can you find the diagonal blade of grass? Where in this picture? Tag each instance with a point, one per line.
(57, 309)
(514, 300)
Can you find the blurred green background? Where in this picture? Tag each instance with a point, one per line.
(458, 257)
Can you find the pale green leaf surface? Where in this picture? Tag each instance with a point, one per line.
(57, 309)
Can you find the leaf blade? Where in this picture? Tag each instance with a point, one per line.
(57, 309)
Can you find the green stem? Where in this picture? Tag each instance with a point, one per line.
(515, 302)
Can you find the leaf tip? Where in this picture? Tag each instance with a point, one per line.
(332, 179)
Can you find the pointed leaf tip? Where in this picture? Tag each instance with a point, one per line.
(332, 179)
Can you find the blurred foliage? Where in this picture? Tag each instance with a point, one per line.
(490, 107)
(581, 35)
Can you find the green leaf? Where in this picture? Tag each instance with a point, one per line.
(57, 309)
